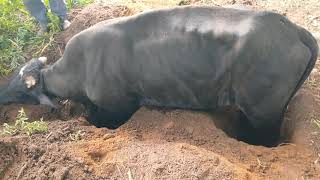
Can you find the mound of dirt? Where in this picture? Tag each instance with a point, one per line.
(154, 144)
(42, 156)
(67, 110)
(116, 157)
(83, 18)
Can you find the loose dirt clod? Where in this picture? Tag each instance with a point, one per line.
(20, 173)
(61, 174)
(8, 152)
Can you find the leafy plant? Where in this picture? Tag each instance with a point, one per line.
(22, 126)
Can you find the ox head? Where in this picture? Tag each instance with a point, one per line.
(26, 86)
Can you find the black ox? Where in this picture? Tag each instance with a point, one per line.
(199, 58)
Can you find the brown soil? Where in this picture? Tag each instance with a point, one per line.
(166, 144)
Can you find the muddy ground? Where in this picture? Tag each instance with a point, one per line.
(165, 144)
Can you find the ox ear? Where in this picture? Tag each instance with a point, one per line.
(44, 100)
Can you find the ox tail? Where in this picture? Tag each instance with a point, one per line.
(317, 36)
(309, 41)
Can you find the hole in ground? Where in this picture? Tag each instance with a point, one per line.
(235, 124)
(231, 120)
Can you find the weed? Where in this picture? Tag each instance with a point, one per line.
(9, 130)
(77, 136)
(311, 82)
(22, 126)
(77, 3)
(36, 127)
(317, 122)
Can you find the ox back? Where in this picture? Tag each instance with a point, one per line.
(188, 57)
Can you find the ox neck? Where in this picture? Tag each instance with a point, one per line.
(43, 83)
(57, 84)
(3, 94)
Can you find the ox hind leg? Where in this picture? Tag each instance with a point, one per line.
(264, 127)
(257, 128)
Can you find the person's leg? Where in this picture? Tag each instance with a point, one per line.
(59, 8)
(38, 10)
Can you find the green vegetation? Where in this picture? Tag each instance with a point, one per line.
(22, 126)
(77, 136)
(18, 33)
(317, 122)
(78, 3)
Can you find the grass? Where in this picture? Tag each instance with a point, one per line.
(18, 33)
(311, 82)
(77, 3)
(317, 122)
(21, 126)
(16, 30)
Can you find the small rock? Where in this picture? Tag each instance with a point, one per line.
(216, 161)
(43, 177)
(82, 178)
(66, 129)
(108, 136)
(52, 168)
(61, 174)
(53, 137)
(87, 169)
(35, 151)
(46, 172)
(80, 160)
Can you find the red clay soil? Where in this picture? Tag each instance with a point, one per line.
(162, 144)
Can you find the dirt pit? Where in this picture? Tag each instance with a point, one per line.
(164, 144)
